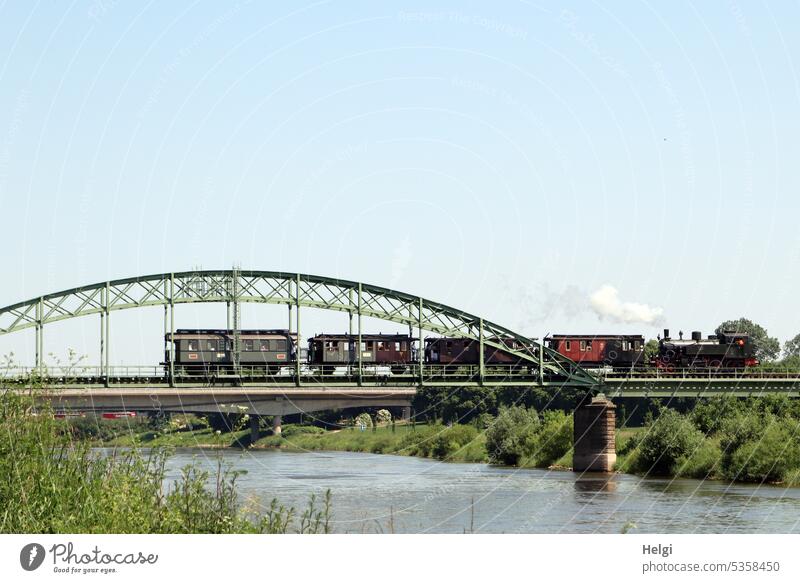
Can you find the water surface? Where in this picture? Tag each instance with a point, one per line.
(385, 493)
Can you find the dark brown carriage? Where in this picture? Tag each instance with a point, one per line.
(375, 349)
(200, 351)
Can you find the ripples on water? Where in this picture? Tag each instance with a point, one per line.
(384, 493)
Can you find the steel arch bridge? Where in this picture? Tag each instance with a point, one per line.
(540, 366)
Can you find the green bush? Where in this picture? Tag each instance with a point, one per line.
(512, 436)
(768, 457)
(554, 438)
(666, 440)
(293, 430)
(382, 417)
(93, 428)
(363, 419)
(420, 441)
(738, 430)
(451, 439)
(708, 415)
(703, 462)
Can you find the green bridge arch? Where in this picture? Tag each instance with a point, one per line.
(295, 290)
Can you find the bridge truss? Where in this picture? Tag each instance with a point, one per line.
(541, 366)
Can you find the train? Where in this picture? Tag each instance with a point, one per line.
(721, 350)
(202, 351)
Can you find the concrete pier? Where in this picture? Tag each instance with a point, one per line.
(406, 415)
(594, 436)
(276, 424)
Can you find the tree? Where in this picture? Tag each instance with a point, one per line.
(650, 350)
(767, 347)
(792, 347)
(512, 436)
(667, 440)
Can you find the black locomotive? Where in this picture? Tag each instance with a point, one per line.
(728, 349)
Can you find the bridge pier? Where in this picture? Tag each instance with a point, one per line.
(254, 424)
(276, 424)
(406, 415)
(594, 436)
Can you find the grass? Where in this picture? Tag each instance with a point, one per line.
(54, 482)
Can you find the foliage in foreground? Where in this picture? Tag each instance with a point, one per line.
(52, 483)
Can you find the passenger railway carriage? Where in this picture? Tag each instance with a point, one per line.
(375, 349)
(600, 350)
(466, 351)
(205, 350)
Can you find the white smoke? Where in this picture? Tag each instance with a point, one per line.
(606, 304)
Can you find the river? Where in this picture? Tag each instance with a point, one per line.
(385, 493)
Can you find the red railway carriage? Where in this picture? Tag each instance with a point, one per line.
(596, 350)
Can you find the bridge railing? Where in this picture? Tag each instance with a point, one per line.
(408, 374)
(693, 374)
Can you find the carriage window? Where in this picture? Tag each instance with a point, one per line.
(248, 346)
(567, 345)
(403, 346)
(211, 345)
(264, 344)
(331, 346)
(583, 345)
(588, 345)
(637, 345)
(397, 346)
(370, 344)
(191, 345)
(279, 345)
(383, 346)
(449, 344)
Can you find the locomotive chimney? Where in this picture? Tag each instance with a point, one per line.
(680, 335)
(666, 333)
(697, 336)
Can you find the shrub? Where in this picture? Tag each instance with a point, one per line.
(512, 435)
(94, 428)
(554, 439)
(420, 441)
(738, 430)
(291, 430)
(382, 417)
(708, 415)
(451, 439)
(702, 463)
(769, 457)
(667, 439)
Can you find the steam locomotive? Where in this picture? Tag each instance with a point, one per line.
(728, 349)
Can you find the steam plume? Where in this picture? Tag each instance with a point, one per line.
(606, 304)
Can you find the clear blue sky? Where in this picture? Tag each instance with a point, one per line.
(509, 159)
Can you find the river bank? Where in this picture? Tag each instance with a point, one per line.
(669, 446)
